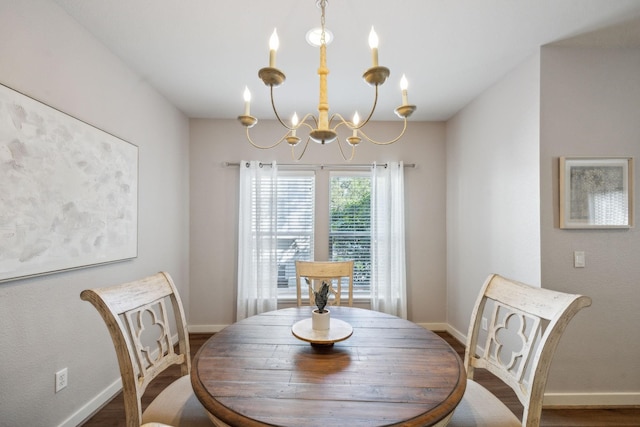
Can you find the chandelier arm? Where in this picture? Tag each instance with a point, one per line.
(306, 144)
(340, 147)
(344, 121)
(273, 105)
(332, 118)
(353, 151)
(267, 147)
(386, 142)
(304, 121)
(373, 109)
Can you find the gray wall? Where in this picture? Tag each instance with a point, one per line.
(493, 219)
(502, 209)
(590, 107)
(214, 210)
(44, 326)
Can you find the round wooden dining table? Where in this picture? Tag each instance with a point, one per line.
(388, 372)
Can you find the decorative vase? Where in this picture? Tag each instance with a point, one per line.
(320, 321)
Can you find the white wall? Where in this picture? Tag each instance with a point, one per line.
(214, 210)
(493, 198)
(44, 326)
(590, 107)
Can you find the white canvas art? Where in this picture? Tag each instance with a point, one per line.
(68, 191)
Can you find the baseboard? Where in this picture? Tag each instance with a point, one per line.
(590, 400)
(435, 326)
(94, 405)
(205, 329)
(101, 399)
(573, 400)
(456, 333)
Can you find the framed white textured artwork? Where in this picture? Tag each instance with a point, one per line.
(596, 192)
(68, 191)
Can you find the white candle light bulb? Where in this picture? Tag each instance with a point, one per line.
(356, 121)
(373, 39)
(274, 43)
(373, 44)
(294, 124)
(404, 84)
(247, 101)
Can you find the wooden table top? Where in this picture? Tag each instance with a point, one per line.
(389, 372)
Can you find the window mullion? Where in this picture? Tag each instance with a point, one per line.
(322, 225)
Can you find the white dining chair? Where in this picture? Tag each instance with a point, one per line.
(138, 318)
(523, 327)
(333, 272)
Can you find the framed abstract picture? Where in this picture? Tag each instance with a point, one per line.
(596, 192)
(68, 191)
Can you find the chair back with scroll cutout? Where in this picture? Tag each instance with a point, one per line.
(524, 326)
(142, 326)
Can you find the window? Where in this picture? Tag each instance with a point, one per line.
(350, 224)
(295, 204)
(323, 215)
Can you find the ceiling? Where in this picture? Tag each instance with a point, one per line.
(200, 54)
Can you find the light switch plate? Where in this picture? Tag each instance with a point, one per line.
(578, 259)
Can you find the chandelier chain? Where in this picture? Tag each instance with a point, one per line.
(323, 4)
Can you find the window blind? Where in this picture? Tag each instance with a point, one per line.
(350, 224)
(295, 219)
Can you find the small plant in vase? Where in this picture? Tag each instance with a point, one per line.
(322, 297)
(320, 317)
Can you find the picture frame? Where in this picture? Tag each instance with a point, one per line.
(68, 193)
(596, 192)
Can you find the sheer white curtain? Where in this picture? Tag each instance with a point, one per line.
(257, 264)
(388, 270)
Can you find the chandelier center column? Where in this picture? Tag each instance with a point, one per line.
(323, 105)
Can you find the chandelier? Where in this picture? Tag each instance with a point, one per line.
(322, 128)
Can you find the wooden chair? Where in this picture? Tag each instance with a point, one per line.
(141, 328)
(524, 325)
(317, 271)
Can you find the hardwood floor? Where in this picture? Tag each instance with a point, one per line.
(112, 414)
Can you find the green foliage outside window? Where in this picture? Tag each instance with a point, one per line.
(350, 229)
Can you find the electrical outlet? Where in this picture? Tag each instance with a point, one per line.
(61, 379)
(484, 324)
